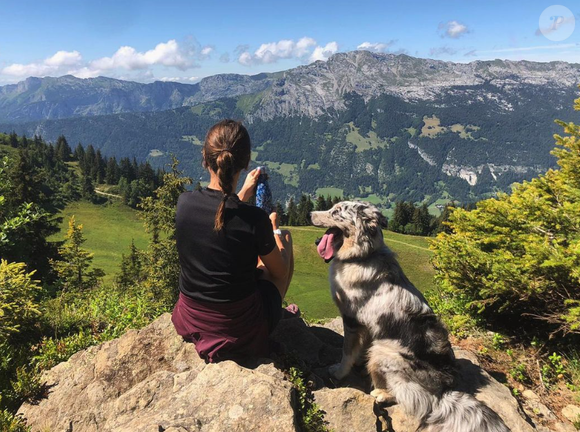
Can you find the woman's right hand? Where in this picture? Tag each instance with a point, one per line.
(249, 186)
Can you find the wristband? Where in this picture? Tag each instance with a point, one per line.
(278, 231)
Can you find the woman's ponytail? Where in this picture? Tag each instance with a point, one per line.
(225, 174)
(226, 151)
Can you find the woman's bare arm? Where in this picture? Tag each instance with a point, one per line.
(277, 261)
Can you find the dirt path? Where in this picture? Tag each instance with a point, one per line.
(387, 240)
(107, 194)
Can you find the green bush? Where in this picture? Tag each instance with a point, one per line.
(12, 423)
(53, 351)
(517, 256)
(27, 385)
(18, 306)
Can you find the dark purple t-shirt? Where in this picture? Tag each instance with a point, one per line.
(220, 266)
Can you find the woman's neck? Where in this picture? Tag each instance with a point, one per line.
(214, 182)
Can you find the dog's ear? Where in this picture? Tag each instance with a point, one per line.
(366, 222)
(383, 221)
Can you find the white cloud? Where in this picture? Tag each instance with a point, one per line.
(64, 58)
(59, 63)
(453, 29)
(206, 50)
(532, 48)
(166, 54)
(322, 53)
(376, 46)
(286, 49)
(440, 51)
(125, 63)
(179, 79)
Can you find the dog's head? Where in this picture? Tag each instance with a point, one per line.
(354, 230)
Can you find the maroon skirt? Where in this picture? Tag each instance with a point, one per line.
(222, 331)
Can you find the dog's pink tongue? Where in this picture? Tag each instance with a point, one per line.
(325, 246)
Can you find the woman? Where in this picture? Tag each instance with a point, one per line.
(236, 264)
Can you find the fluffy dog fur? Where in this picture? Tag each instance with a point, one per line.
(410, 359)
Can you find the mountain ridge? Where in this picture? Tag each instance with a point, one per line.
(382, 126)
(310, 90)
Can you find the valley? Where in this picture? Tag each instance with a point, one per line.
(381, 127)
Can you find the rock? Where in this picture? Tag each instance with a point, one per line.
(347, 409)
(151, 380)
(571, 412)
(563, 427)
(485, 388)
(533, 407)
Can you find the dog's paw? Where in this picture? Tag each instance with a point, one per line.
(382, 396)
(337, 372)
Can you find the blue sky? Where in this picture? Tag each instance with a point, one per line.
(188, 40)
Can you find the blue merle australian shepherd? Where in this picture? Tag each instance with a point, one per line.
(410, 359)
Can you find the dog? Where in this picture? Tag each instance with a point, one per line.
(409, 356)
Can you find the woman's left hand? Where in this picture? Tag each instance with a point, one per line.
(249, 187)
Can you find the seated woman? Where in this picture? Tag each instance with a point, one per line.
(236, 264)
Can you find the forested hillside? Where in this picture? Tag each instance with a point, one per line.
(381, 127)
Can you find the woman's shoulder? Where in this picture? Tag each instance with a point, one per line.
(256, 213)
(188, 197)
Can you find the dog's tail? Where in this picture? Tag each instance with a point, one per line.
(414, 385)
(461, 412)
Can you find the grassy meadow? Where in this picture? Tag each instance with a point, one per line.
(110, 228)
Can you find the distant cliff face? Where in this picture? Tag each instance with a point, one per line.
(314, 89)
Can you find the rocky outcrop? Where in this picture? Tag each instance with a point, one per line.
(150, 380)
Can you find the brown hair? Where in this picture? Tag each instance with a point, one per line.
(226, 151)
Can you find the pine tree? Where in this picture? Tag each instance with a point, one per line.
(131, 268)
(13, 140)
(74, 267)
(402, 216)
(282, 218)
(292, 213)
(63, 150)
(90, 162)
(88, 188)
(160, 261)
(79, 155)
(305, 206)
(329, 202)
(99, 168)
(516, 258)
(320, 203)
(112, 171)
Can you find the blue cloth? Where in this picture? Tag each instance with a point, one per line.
(264, 194)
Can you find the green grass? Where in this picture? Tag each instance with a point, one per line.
(245, 103)
(363, 143)
(310, 289)
(110, 228)
(332, 191)
(286, 170)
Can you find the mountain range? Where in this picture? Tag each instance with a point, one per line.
(377, 126)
